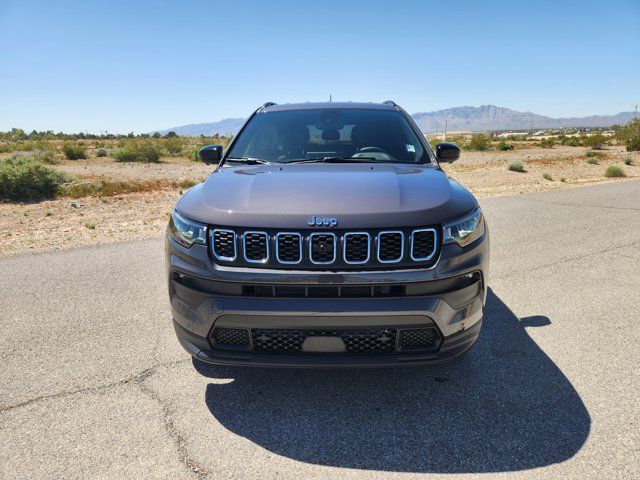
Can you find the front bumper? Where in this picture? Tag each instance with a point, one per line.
(448, 297)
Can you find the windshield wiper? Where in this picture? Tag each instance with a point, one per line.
(338, 160)
(248, 160)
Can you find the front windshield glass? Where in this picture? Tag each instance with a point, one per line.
(306, 134)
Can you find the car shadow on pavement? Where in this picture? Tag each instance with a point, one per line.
(504, 406)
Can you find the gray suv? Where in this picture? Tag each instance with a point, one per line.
(327, 236)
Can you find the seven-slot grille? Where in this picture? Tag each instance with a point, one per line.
(306, 249)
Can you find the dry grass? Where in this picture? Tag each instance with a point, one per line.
(110, 188)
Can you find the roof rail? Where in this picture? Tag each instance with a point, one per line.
(268, 104)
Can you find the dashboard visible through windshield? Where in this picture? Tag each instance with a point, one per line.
(329, 134)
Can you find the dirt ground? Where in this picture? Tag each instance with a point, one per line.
(66, 223)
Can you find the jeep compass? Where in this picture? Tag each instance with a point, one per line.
(328, 236)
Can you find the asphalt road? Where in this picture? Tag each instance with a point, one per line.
(93, 383)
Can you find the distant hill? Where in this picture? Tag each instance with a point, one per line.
(490, 117)
(222, 127)
(484, 117)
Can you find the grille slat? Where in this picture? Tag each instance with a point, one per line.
(289, 247)
(356, 247)
(256, 247)
(423, 244)
(390, 246)
(322, 248)
(224, 244)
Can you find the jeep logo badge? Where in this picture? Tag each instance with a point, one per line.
(322, 221)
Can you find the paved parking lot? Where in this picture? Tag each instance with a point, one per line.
(94, 384)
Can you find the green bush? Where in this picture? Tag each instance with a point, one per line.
(502, 145)
(547, 176)
(173, 145)
(572, 142)
(147, 150)
(614, 171)
(74, 150)
(516, 166)
(23, 179)
(628, 161)
(101, 152)
(595, 141)
(478, 142)
(547, 142)
(46, 156)
(630, 135)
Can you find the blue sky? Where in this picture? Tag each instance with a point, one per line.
(138, 66)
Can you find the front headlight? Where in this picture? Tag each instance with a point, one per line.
(466, 230)
(187, 232)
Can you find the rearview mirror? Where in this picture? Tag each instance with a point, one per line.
(447, 152)
(210, 154)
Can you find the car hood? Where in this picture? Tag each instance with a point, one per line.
(357, 195)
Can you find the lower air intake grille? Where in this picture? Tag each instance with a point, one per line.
(419, 339)
(355, 341)
(233, 337)
(390, 246)
(256, 247)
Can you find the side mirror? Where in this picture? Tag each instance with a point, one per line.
(210, 154)
(447, 152)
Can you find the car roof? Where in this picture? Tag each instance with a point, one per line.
(325, 105)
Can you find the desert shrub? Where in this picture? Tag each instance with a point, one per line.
(572, 142)
(547, 176)
(23, 179)
(592, 160)
(147, 150)
(516, 166)
(547, 142)
(173, 144)
(101, 152)
(502, 145)
(630, 135)
(628, 161)
(595, 141)
(614, 171)
(563, 180)
(478, 142)
(46, 156)
(74, 150)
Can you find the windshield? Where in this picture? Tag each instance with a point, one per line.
(336, 133)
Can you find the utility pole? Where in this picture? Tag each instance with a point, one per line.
(635, 115)
(329, 97)
(446, 122)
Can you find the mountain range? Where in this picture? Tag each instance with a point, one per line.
(484, 117)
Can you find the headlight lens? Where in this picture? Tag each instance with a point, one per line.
(187, 232)
(465, 231)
